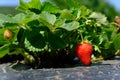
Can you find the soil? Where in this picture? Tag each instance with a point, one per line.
(103, 70)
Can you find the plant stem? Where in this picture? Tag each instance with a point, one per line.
(81, 36)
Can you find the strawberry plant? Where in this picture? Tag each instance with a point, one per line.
(46, 35)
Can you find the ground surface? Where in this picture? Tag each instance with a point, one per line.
(104, 70)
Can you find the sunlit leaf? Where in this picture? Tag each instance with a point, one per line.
(67, 15)
(6, 19)
(19, 17)
(25, 6)
(47, 18)
(70, 26)
(59, 22)
(50, 8)
(30, 17)
(99, 17)
(65, 4)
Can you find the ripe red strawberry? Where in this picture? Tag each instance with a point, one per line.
(84, 52)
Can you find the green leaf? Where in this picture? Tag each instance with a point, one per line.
(1, 25)
(20, 35)
(102, 19)
(23, 6)
(96, 48)
(116, 41)
(33, 4)
(85, 11)
(34, 41)
(107, 44)
(4, 50)
(67, 15)
(77, 13)
(30, 17)
(70, 26)
(65, 4)
(47, 18)
(19, 17)
(50, 8)
(1, 32)
(55, 41)
(59, 22)
(6, 19)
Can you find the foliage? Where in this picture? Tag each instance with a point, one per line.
(101, 6)
(45, 28)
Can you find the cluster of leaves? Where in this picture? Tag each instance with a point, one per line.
(101, 6)
(42, 27)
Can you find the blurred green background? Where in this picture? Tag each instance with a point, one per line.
(8, 10)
